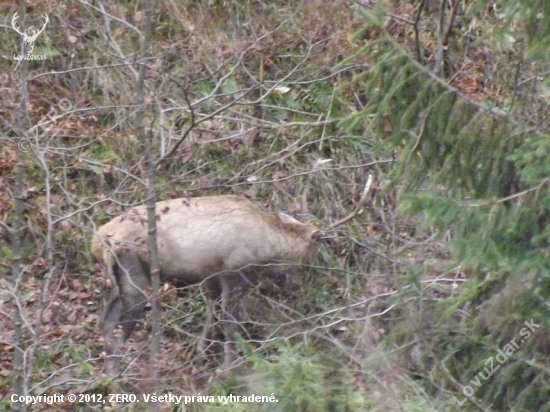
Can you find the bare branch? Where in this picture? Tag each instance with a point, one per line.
(438, 69)
(358, 207)
(6, 227)
(114, 44)
(417, 31)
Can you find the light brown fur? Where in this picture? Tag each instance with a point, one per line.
(212, 239)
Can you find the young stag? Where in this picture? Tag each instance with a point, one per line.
(224, 241)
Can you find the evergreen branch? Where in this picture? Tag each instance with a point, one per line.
(507, 198)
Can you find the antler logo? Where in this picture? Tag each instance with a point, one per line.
(30, 35)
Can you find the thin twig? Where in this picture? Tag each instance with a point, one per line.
(416, 31)
(358, 207)
(454, 8)
(507, 198)
(438, 69)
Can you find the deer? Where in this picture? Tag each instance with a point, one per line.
(227, 242)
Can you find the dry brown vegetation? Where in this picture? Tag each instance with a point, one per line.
(291, 104)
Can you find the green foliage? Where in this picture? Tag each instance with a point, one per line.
(478, 177)
(49, 52)
(531, 157)
(101, 153)
(470, 162)
(531, 14)
(7, 253)
(302, 380)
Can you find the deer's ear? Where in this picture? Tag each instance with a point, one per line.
(286, 219)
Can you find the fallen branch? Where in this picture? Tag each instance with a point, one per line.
(358, 207)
